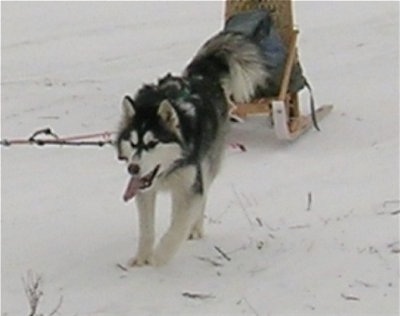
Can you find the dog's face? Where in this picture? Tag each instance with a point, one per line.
(149, 141)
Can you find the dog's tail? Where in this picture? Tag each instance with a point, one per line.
(236, 61)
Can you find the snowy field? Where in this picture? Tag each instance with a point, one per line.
(66, 65)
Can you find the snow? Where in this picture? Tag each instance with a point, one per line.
(67, 65)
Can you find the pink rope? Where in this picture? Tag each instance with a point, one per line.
(104, 135)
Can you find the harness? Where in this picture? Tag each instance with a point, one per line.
(184, 93)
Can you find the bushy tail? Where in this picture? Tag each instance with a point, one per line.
(246, 70)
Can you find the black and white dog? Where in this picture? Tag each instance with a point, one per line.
(172, 136)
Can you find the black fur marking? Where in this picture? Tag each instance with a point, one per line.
(127, 97)
(198, 186)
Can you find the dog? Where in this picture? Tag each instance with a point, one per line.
(172, 137)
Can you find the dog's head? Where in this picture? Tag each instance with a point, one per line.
(149, 139)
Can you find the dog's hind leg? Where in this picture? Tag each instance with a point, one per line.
(196, 231)
(187, 208)
(146, 209)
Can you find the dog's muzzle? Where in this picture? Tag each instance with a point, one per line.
(137, 182)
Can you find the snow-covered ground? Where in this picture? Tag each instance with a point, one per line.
(67, 65)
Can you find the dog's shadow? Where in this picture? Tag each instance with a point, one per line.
(254, 132)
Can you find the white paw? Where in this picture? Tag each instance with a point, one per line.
(196, 233)
(140, 261)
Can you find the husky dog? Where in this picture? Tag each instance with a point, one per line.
(172, 136)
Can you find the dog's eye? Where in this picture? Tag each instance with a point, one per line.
(122, 158)
(133, 145)
(151, 144)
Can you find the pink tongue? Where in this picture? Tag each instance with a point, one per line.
(132, 188)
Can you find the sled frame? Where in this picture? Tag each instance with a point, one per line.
(284, 109)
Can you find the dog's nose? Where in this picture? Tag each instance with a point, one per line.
(133, 169)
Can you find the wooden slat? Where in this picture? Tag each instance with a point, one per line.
(291, 128)
(288, 66)
(303, 123)
(261, 106)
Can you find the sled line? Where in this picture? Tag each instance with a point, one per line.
(37, 138)
(51, 138)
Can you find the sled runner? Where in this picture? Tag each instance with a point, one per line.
(281, 105)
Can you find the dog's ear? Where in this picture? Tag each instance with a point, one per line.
(168, 114)
(128, 107)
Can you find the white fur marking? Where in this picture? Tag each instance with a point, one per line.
(187, 108)
(148, 137)
(134, 137)
(125, 149)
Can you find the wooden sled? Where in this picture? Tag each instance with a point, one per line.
(284, 109)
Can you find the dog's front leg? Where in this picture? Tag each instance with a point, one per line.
(187, 208)
(197, 229)
(146, 209)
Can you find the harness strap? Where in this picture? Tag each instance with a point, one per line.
(312, 105)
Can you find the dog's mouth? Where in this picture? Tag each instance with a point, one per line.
(137, 183)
